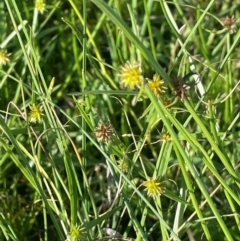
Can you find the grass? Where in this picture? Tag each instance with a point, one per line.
(84, 157)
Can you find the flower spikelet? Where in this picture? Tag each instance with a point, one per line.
(36, 113)
(123, 165)
(104, 131)
(180, 88)
(40, 5)
(230, 23)
(4, 57)
(77, 233)
(166, 137)
(131, 75)
(166, 101)
(3, 141)
(154, 188)
(157, 85)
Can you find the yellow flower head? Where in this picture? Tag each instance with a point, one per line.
(77, 233)
(154, 188)
(131, 75)
(4, 57)
(36, 113)
(166, 137)
(157, 85)
(104, 131)
(40, 5)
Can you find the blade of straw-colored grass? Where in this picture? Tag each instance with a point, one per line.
(12, 35)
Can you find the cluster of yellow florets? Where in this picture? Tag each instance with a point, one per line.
(154, 188)
(40, 5)
(131, 78)
(4, 57)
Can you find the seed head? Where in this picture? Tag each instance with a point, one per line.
(104, 131)
(180, 88)
(230, 23)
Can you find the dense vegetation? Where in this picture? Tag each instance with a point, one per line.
(119, 120)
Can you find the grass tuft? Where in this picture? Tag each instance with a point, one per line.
(119, 120)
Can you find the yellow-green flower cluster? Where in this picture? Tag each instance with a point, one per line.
(104, 131)
(77, 233)
(36, 113)
(157, 85)
(166, 137)
(123, 165)
(154, 188)
(131, 78)
(131, 75)
(4, 57)
(40, 5)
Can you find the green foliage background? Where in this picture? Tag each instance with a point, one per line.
(55, 176)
